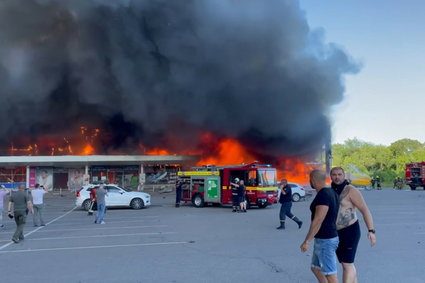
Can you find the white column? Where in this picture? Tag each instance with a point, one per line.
(141, 178)
(27, 178)
(86, 175)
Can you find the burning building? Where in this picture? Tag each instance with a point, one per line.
(233, 81)
(72, 172)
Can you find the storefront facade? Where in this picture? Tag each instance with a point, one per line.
(72, 172)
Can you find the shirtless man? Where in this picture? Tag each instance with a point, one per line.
(347, 223)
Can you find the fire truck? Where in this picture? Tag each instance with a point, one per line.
(415, 174)
(210, 184)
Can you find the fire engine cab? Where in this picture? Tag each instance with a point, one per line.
(210, 184)
(415, 174)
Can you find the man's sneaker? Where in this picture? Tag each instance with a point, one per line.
(103, 222)
(35, 225)
(15, 240)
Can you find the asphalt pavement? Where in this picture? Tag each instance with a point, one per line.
(211, 244)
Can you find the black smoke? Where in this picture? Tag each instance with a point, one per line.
(163, 72)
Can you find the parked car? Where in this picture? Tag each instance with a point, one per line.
(117, 197)
(298, 192)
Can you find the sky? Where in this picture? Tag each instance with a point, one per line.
(385, 101)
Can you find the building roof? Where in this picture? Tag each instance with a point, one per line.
(82, 160)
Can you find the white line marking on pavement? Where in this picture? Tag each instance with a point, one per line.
(91, 223)
(94, 247)
(400, 223)
(103, 228)
(136, 217)
(113, 216)
(41, 227)
(102, 236)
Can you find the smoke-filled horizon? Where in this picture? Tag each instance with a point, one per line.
(163, 73)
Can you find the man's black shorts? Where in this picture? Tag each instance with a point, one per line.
(348, 241)
(241, 199)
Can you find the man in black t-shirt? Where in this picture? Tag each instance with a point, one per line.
(242, 196)
(324, 211)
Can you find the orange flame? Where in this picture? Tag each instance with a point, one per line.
(212, 150)
(88, 150)
(295, 170)
(158, 151)
(230, 151)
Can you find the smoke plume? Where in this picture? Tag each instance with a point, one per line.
(163, 73)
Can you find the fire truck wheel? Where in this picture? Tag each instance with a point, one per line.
(137, 203)
(86, 205)
(296, 197)
(198, 201)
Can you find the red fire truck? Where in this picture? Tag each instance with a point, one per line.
(415, 174)
(211, 184)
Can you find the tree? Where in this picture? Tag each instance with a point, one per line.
(387, 162)
(406, 151)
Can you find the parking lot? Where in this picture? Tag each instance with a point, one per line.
(211, 244)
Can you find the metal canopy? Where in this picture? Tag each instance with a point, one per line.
(82, 160)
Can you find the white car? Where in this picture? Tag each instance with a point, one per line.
(116, 196)
(298, 192)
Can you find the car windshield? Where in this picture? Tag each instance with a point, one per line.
(127, 190)
(267, 177)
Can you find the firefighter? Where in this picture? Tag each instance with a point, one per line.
(373, 181)
(399, 183)
(179, 189)
(285, 199)
(235, 194)
(378, 183)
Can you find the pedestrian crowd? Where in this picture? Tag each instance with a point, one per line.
(21, 203)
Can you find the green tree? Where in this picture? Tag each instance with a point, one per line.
(387, 162)
(406, 151)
